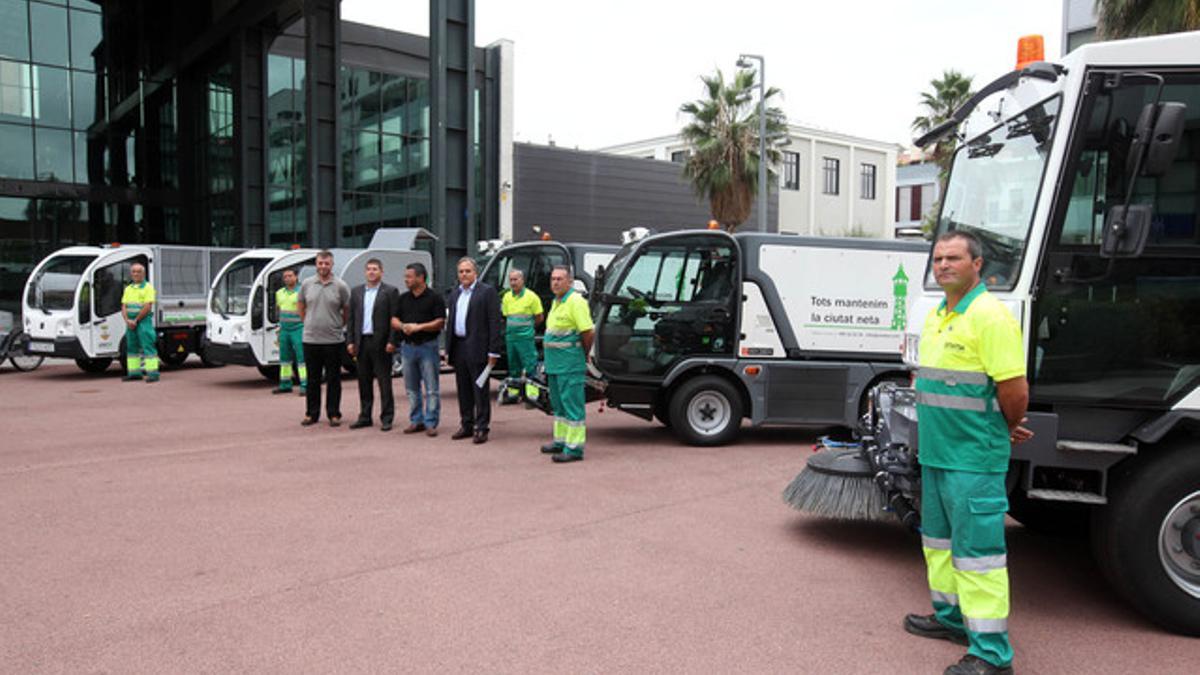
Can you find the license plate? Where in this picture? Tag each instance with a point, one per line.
(43, 347)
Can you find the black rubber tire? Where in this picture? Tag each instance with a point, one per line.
(718, 391)
(1058, 519)
(269, 372)
(209, 363)
(174, 359)
(94, 365)
(1125, 533)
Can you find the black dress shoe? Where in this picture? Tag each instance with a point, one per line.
(929, 627)
(480, 437)
(308, 421)
(386, 426)
(360, 423)
(973, 665)
(461, 434)
(564, 457)
(551, 449)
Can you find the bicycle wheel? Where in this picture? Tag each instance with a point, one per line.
(16, 354)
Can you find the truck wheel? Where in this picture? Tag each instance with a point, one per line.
(706, 411)
(1060, 519)
(270, 372)
(174, 359)
(94, 365)
(209, 363)
(1147, 538)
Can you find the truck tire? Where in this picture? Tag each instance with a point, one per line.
(208, 362)
(269, 372)
(706, 411)
(1147, 538)
(174, 359)
(94, 365)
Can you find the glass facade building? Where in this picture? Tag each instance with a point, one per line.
(110, 130)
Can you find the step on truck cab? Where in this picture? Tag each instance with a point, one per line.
(242, 317)
(72, 300)
(1082, 180)
(702, 329)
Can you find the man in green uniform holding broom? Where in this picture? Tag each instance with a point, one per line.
(971, 400)
(567, 341)
(291, 334)
(137, 306)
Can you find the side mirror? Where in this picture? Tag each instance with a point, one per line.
(1164, 143)
(1126, 229)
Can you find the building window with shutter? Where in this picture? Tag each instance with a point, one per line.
(831, 169)
(866, 188)
(679, 156)
(791, 170)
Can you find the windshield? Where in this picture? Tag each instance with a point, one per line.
(232, 292)
(993, 189)
(613, 272)
(53, 287)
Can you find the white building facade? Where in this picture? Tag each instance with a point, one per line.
(918, 188)
(829, 184)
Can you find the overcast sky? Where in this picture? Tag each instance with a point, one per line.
(602, 72)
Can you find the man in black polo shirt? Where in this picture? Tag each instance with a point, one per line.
(419, 321)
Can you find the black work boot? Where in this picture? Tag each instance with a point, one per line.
(973, 665)
(929, 627)
(551, 449)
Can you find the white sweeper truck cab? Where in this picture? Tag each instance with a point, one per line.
(72, 300)
(243, 319)
(1082, 180)
(701, 329)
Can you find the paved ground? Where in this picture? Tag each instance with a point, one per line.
(194, 526)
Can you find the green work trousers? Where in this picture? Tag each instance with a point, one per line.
(568, 403)
(141, 349)
(522, 362)
(291, 348)
(962, 534)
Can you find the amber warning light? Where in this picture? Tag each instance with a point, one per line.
(1030, 49)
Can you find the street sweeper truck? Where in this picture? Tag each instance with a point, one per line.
(1082, 180)
(72, 300)
(242, 316)
(701, 329)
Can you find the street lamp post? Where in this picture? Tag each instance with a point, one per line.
(744, 62)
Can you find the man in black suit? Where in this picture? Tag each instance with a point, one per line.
(369, 339)
(472, 345)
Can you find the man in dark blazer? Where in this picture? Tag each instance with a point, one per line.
(472, 345)
(369, 339)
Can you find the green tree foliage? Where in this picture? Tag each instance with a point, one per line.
(946, 95)
(722, 131)
(1131, 18)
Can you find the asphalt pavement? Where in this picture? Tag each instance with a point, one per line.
(194, 526)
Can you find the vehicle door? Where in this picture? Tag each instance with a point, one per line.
(264, 313)
(536, 261)
(103, 287)
(675, 298)
(1121, 333)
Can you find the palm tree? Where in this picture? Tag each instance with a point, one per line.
(948, 93)
(1130, 18)
(723, 135)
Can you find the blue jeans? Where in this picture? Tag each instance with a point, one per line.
(421, 366)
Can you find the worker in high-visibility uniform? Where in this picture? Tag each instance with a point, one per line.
(291, 333)
(522, 311)
(565, 346)
(971, 401)
(137, 306)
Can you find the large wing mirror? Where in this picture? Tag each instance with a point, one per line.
(1154, 147)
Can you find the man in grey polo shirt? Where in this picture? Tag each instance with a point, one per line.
(324, 304)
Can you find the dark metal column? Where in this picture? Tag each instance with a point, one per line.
(323, 173)
(249, 103)
(490, 144)
(452, 118)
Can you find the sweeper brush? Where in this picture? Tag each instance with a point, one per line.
(838, 483)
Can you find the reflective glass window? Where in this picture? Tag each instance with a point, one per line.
(85, 37)
(16, 92)
(16, 160)
(54, 157)
(14, 29)
(51, 96)
(49, 31)
(81, 150)
(83, 99)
